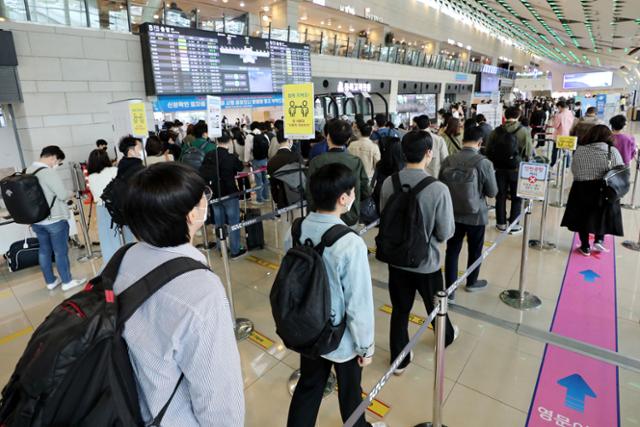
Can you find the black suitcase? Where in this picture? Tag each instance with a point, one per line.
(18, 257)
(255, 232)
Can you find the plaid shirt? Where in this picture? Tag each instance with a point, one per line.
(591, 162)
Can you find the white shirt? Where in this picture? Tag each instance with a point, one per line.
(99, 181)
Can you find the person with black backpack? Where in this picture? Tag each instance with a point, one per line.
(471, 179)
(417, 216)
(256, 150)
(507, 146)
(194, 152)
(53, 231)
(330, 323)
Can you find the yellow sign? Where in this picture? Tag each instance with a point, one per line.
(138, 117)
(297, 102)
(413, 318)
(567, 142)
(257, 338)
(262, 262)
(377, 407)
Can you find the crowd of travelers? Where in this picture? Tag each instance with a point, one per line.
(429, 185)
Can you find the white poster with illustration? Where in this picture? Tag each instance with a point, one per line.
(214, 116)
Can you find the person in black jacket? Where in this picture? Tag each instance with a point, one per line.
(222, 181)
(133, 152)
(284, 156)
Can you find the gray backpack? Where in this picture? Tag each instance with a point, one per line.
(464, 185)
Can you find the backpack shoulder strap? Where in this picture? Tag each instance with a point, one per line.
(397, 185)
(422, 185)
(296, 231)
(135, 295)
(38, 170)
(110, 271)
(34, 174)
(332, 235)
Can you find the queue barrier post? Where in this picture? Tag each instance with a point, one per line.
(90, 254)
(242, 327)
(520, 298)
(438, 379)
(560, 202)
(630, 244)
(556, 184)
(540, 244)
(633, 205)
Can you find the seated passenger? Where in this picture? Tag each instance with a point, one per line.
(185, 328)
(469, 205)
(333, 189)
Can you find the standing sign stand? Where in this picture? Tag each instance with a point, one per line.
(532, 185)
(564, 144)
(298, 104)
(541, 244)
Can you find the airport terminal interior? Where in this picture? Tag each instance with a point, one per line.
(552, 339)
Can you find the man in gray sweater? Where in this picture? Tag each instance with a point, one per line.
(437, 215)
(53, 231)
(471, 218)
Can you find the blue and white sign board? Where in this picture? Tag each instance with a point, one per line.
(214, 116)
(532, 180)
(172, 104)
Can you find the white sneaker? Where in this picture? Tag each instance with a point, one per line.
(379, 424)
(400, 371)
(52, 286)
(73, 284)
(456, 333)
(600, 247)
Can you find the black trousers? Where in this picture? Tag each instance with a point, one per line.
(507, 184)
(314, 373)
(475, 241)
(584, 239)
(402, 290)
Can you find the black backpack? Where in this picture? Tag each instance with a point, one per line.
(114, 195)
(401, 241)
(301, 298)
(260, 147)
(194, 156)
(24, 198)
(76, 369)
(504, 151)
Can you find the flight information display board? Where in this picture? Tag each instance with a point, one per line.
(184, 61)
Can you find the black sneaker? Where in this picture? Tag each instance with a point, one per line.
(240, 254)
(584, 251)
(479, 285)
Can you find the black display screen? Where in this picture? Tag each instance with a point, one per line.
(184, 61)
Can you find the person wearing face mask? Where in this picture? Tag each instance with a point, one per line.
(53, 231)
(182, 337)
(219, 169)
(288, 163)
(133, 152)
(437, 215)
(333, 188)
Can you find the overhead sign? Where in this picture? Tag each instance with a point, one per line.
(567, 142)
(298, 111)
(138, 117)
(532, 180)
(214, 116)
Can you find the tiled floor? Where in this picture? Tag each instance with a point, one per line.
(490, 372)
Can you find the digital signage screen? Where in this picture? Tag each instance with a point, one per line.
(489, 82)
(185, 61)
(588, 80)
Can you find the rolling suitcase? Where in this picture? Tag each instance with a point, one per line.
(254, 232)
(22, 254)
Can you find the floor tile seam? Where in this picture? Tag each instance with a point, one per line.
(24, 313)
(466, 363)
(491, 397)
(258, 378)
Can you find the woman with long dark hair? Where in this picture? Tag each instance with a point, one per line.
(587, 212)
(391, 161)
(453, 135)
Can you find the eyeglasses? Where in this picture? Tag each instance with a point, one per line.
(208, 193)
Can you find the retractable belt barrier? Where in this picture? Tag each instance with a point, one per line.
(253, 172)
(439, 313)
(266, 216)
(234, 195)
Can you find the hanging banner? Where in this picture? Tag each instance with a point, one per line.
(138, 118)
(298, 111)
(532, 180)
(214, 116)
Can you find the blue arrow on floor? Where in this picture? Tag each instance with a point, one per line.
(577, 390)
(589, 275)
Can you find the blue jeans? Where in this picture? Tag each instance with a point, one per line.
(228, 212)
(53, 239)
(109, 238)
(261, 179)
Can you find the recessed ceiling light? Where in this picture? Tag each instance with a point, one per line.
(351, 29)
(154, 17)
(304, 17)
(241, 4)
(265, 18)
(266, 8)
(321, 22)
(225, 1)
(340, 27)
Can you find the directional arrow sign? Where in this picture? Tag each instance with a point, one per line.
(589, 275)
(577, 389)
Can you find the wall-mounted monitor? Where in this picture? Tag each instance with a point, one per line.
(185, 61)
(601, 79)
(489, 82)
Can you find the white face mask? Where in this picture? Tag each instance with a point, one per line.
(206, 214)
(350, 204)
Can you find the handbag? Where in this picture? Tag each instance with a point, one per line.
(615, 183)
(368, 211)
